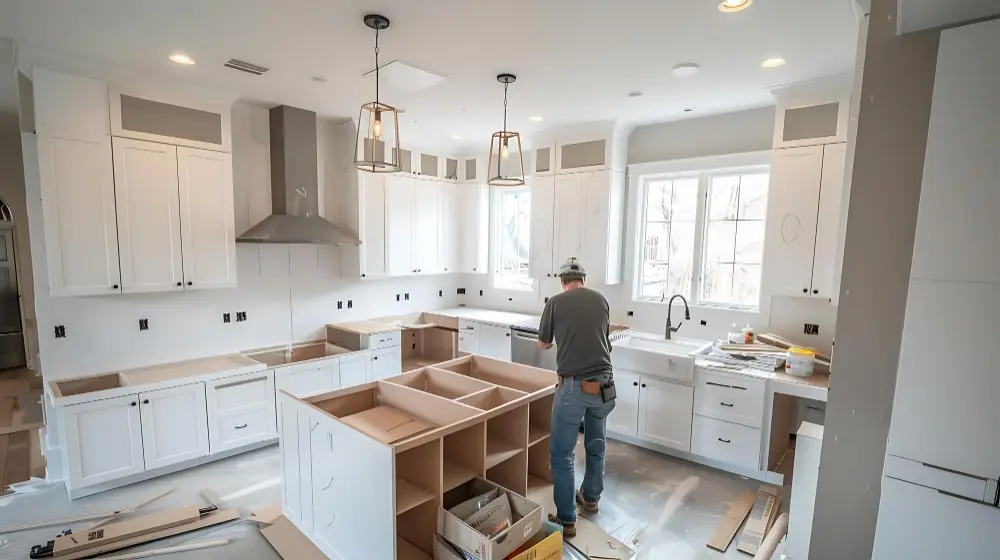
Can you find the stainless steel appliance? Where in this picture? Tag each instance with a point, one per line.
(524, 348)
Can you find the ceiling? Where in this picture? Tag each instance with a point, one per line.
(576, 60)
(917, 15)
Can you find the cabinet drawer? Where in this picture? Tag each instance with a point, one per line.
(242, 428)
(243, 391)
(467, 326)
(732, 398)
(384, 340)
(726, 442)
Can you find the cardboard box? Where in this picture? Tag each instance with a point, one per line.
(765, 511)
(547, 544)
(459, 505)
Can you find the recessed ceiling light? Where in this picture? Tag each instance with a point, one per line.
(688, 110)
(635, 93)
(457, 137)
(773, 63)
(536, 119)
(686, 69)
(181, 58)
(734, 5)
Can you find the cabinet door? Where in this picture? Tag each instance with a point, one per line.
(468, 342)
(494, 341)
(208, 234)
(475, 219)
(425, 226)
(570, 205)
(78, 207)
(624, 419)
(372, 230)
(304, 381)
(354, 369)
(386, 362)
(793, 200)
(399, 225)
(174, 425)
(103, 440)
(146, 199)
(665, 413)
(241, 410)
(596, 187)
(541, 256)
(448, 228)
(828, 220)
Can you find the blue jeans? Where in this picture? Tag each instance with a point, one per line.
(571, 405)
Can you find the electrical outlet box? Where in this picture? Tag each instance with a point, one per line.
(241, 316)
(631, 313)
(143, 324)
(340, 305)
(811, 329)
(60, 331)
(461, 291)
(350, 303)
(406, 297)
(226, 318)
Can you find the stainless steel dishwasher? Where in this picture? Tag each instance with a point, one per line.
(524, 349)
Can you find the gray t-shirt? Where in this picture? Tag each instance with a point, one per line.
(578, 322)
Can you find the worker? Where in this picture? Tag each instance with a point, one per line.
(577, 321)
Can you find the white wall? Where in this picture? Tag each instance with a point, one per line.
(716, 135)
(102, 333)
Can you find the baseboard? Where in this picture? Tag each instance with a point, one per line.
(763, 476)
(82, 491)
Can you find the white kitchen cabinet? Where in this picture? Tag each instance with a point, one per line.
(372, 227)
(78, 210)
(424, 236)
(241, 410)
(494, 341)
(570, 207)
(475, 224)
(624, 419)
(149, 234)
(208, 234)
(541, 255)
(385, 362)
(308, 379)
(804, 205)
(103, 440)
(665, 410)
(174, 425)
(354, 369)
(603, 218)
(448, 228)
(399, 225)
(468, 336)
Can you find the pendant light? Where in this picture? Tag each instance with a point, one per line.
(379, 121)
(505, 149)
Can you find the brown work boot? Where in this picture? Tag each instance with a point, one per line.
(568, 529)
(589, 507)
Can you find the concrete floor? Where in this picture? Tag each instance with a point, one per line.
(663, 507)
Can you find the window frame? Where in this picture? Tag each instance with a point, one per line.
(705, 169)
(496, 224)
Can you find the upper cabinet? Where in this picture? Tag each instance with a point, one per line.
(474, 217)
(803, 213)
(160, 120)
(126, 214)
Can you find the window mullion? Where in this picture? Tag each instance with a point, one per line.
(701, 222)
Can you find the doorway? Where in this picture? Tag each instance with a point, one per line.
(11, 335)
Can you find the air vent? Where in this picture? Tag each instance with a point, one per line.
(245, 67)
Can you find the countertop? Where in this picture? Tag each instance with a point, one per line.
(814, 387)
(365, 327)
(491, 316)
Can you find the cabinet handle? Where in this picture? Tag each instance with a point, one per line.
(133, 403)
(725, 440)
(240, 427)
(726, 404)
(714, 384)
(737, 387)
(145, 401)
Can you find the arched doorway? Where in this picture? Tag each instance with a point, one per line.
(11, 335)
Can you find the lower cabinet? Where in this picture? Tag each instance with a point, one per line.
(103, 440)
(354, 369)
(174, 425)
(240, 410)
(385, 362)
(308, 379)
(468, 342)
(726, 442)
(494, 341)
(653, 410)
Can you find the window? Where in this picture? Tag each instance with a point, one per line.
(512, 217)
(702, 236)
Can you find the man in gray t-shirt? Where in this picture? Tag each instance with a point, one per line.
(577, 321)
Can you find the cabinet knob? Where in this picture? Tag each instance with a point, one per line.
(190, 283)
(145, 401)
(133, 403)
(473, 269)
(362, 275)
(635, 383)
(805, 290)
(815, 291)
(114, 287)
(241, 426)
(374, 357)
(726, 404)
(643, 385)
(508, 335)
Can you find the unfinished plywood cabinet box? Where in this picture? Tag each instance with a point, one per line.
(412, 438)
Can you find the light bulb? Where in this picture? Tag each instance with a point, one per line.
(504, 151)
(377, 127)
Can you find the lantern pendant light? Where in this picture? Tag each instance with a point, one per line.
(505, 149)
(380, 123)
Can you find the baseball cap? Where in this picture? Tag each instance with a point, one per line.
(572, 269)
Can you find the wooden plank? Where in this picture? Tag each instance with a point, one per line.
(18, 457)
(21, 413)
(208, 520)
(134, 508)
(455, 475)
(167, 550)
(499, 450)
(289, 542)
(62, 521)
(4, 441)
(133, 528)
(536, 435)
(409, 496)
(730, 523)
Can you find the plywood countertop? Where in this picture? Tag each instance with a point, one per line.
(491, 316)
(364, 327)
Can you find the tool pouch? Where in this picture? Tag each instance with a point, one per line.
(608, 391)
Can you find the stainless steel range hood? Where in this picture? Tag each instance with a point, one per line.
(294, 186)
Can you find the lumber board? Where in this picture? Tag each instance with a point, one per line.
(18, 457)
(167, 550)
(84, 540)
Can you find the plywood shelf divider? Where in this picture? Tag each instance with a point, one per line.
(455, 475)
(407, 551)
(536, 435)
(409, 496)
(499, 450)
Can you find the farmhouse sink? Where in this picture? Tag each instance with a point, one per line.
(656, 356)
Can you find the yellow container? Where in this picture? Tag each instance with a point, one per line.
(800, 362)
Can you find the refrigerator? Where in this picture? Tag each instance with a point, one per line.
(941, 482)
